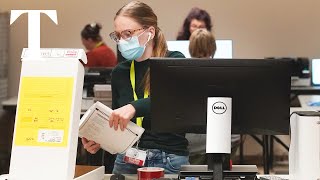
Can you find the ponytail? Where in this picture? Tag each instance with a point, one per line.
(160, 45)
(159, 50)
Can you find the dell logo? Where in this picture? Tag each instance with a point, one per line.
(219, 108)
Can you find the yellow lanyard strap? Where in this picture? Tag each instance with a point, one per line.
(99, 44)
(135, 97)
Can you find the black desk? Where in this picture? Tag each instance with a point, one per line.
(310, 90)
(267, 141)
(10, 104)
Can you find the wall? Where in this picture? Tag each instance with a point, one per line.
(257, 28)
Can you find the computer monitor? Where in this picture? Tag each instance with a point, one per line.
(96, 75)
(259, 88)
(224, 48)
(315, 70)
(300, 73)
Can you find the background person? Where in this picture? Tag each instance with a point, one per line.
(203, 45)
(98, 53)
(196, 19)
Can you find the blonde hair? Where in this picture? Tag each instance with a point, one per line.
(202, 44)
(145, 16)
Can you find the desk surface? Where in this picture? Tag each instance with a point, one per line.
(305, 90)
(134, 177)
(10, 102)
(304, 100)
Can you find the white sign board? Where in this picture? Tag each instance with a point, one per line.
(48, 113)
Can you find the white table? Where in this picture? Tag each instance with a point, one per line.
(281, 176)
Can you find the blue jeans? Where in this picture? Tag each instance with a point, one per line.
(155, 158)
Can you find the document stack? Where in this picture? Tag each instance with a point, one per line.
(94, 125)
(103, 94)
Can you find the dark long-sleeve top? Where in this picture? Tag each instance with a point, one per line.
(122, 94)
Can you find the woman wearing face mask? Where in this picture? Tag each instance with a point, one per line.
(139, 38)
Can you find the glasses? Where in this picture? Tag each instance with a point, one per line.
(126, 34)
(198, 26)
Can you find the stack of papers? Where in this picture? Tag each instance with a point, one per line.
(103, 93)
(94, 125)
(309, 101)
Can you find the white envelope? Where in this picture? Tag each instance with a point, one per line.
(94, 125)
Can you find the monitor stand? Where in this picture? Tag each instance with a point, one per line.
(218, 133)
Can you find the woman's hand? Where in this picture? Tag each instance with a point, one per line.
(91, 146)
(121, 116)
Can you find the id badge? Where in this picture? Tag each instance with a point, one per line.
(135, 156)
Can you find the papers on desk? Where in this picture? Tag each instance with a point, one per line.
(274, 177)
(94, 125)
(307, 101)
(317, 103)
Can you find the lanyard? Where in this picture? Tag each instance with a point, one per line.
(99, 44)
(135, 97)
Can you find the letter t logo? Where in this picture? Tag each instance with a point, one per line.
(34, 26)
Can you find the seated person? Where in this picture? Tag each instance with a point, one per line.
(98, 54)
(202, 45)
(196, 19)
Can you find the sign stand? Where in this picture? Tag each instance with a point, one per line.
(48, 113)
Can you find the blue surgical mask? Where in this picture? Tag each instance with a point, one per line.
(131, 49)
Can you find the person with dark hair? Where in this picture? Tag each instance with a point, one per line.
(98, 54)
(196, 19)
(139, 38)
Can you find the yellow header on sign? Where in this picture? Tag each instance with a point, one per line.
(44, 111)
